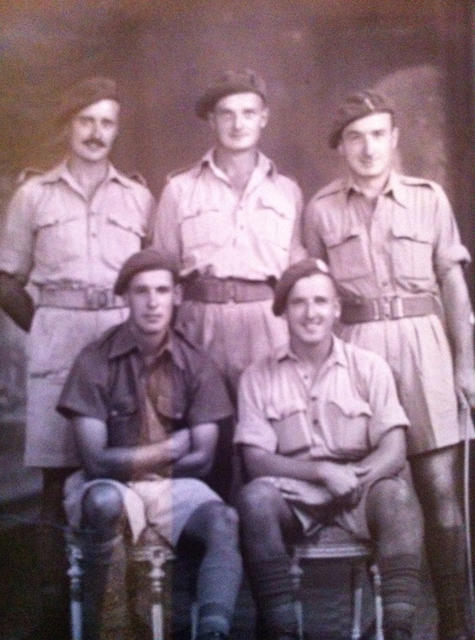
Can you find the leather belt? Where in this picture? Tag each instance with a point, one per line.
(388, 308)
(223, 290)
(87, 298)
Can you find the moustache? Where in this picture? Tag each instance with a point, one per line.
(95, 141)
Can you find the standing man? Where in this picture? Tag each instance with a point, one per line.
(323, 438)
(231, 225)
(145, 403)
(394, 249)
(65, 235)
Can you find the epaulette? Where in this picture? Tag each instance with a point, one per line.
(27, 173)
(411, 181)
(138, 177)
(178, 172)
(330, 189)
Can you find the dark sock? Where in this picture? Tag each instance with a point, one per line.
(217, 588)
(274, 588)
(400, 586)
(446, 555)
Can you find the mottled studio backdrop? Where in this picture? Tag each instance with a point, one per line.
(312, 52)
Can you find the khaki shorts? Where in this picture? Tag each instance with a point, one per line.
(314, 507)
(234, 334)
(161, 502)
(419, 355)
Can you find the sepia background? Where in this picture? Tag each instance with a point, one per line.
(162, 53)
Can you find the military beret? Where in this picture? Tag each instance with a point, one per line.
(301, 269)
(83, 93)
(146, 260)
(356, 106)
(230, 82)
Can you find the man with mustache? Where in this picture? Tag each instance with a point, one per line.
(394, 249)
(66, 233)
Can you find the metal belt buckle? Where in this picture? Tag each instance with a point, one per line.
(96, 298)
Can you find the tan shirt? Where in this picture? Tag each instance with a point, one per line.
(404, 247)
(204, 226)
(342, 414)
(53, 234)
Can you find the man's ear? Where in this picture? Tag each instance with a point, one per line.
(177, 295)
(337, 308)
(211, 118)
(394, 137)
(265, 117)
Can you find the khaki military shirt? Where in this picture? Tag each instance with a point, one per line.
(204, 226)
(404, 247)
(54, 235)
(341, 415)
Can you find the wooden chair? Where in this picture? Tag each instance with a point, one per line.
(150, 550)
(332, 543)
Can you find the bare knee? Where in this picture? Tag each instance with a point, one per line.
(102, 506)
(393, 503)
(438, 484)
(216, 524)
(257, 499)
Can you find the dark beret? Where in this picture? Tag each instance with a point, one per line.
(83, 93)
(356, 106)
(146, 260)
(230, 82)
(301, 269)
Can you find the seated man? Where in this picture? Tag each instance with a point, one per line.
(323, 439)
(144, 404)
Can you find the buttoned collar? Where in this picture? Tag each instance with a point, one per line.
(124, 341)
(335, 357)
(264, 166)
(393, 188)
(62, 172)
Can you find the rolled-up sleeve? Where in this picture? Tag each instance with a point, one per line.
(449, 250)
(84, 392)
(17, 234)
(253, 427)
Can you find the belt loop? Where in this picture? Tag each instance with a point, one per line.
(376, 309)
(397, 308)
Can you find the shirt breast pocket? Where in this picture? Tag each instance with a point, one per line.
(274, 221)
(58, 238)
(122, 236)
(412, 249)
(292, 432)
(205, 226)
(123, 422)
(347, 255)
(348, 427)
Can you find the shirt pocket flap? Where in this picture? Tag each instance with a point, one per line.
(279, 204)
(404, 228)
(126, 221)
(47, 218)
(351, 408)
